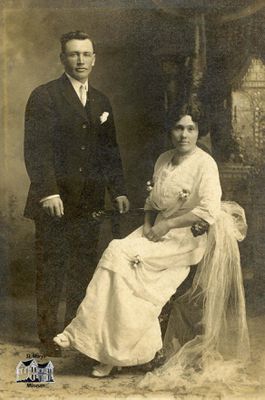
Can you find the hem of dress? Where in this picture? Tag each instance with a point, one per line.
(108, 359)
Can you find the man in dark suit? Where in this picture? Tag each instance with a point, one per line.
(71, 155)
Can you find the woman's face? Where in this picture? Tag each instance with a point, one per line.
(184, 135)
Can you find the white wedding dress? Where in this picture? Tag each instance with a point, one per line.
(117, 322)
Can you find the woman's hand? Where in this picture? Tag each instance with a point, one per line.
(146, 229)
(156, 233)
(149, 219)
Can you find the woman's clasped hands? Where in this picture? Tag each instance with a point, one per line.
(155, 233)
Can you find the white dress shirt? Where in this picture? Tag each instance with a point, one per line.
(76, 84)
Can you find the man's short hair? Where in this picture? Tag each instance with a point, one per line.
(79, 35)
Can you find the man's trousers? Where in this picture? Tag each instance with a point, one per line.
(66, 251)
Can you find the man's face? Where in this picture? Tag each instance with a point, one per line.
(78, 59)
(185, 135)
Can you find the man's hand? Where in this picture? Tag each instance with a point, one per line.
(156, 233)
(53, 207)
(122, 204)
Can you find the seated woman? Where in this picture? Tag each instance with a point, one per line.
(206, 344)
(117, 322)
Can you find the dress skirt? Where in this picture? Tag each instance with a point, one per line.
(117, 321)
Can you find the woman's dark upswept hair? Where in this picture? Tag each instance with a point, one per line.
(79, 35)
(177, 112)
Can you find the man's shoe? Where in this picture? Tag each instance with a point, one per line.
(50, 349)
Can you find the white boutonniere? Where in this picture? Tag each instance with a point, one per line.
(104, 116)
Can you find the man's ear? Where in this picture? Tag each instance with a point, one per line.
(62, 58)
(94, 60)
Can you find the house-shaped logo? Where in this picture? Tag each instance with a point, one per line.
(31, 371)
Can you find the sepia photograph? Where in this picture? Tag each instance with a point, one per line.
(132, 206)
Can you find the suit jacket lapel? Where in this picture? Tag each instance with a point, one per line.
(71, 96)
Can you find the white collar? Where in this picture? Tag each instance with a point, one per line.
(76, 84)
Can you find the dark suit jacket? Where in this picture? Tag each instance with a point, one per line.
(68, 151)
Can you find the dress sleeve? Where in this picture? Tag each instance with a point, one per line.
(148, 205)
(209, 193)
